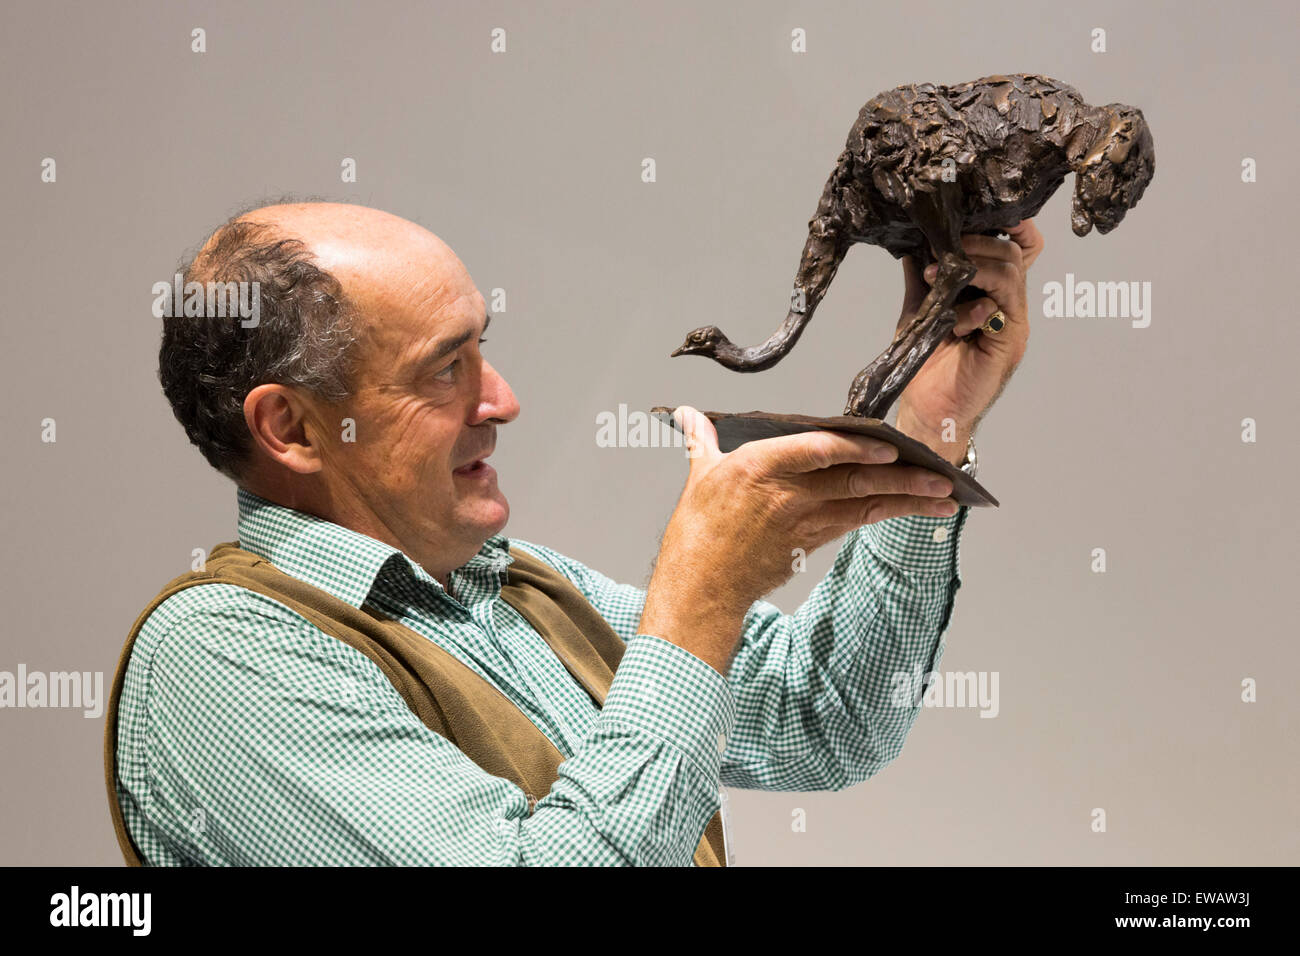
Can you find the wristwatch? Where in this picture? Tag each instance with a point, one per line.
(972, 459)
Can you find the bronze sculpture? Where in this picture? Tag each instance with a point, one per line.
(925, 164)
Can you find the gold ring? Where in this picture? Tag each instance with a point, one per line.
(995, 323)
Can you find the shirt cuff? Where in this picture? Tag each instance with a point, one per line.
(918, 544)
(665, 690)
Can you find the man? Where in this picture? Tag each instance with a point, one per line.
(352, 685)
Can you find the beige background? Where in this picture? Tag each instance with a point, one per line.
(1118, 690)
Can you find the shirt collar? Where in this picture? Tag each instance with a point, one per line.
(328, 556)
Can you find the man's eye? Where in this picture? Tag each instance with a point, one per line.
(446, 373)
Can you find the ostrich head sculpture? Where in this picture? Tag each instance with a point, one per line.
(1112, 176)
(713, 342)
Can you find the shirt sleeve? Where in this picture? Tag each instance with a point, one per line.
(825, 697)
(248, 737)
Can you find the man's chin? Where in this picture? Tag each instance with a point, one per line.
(492, 514)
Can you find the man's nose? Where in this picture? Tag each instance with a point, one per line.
(497, 402)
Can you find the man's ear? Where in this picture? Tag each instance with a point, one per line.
(276, 416)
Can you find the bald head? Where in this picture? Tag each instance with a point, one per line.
(362, 247)
(376, 257)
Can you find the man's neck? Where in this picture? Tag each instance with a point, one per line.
(343, 511)
(332, 507)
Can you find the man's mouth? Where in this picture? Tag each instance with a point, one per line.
(479, 468)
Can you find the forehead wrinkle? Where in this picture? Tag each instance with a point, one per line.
(433, 348)
(426, 281)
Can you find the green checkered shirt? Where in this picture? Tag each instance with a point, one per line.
(246, 736)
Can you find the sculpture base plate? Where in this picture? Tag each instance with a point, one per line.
(737, 428)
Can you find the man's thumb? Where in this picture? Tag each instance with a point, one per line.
(701, 436)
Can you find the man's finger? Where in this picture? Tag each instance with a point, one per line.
(810, 451)
(844, 516)
(1031, 242)
(841, 482)
(1003, 281)
(973, 315)
(701, 435)
(990, 247)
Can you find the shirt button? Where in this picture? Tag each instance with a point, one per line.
(722, 743)
(940, 534)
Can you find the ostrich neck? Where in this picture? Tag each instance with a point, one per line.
(756, 358)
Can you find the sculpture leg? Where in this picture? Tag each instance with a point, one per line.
(874, 390)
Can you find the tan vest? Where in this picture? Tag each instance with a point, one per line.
(448, 697)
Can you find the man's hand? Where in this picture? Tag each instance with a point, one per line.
(962, 379)
(733, 535)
